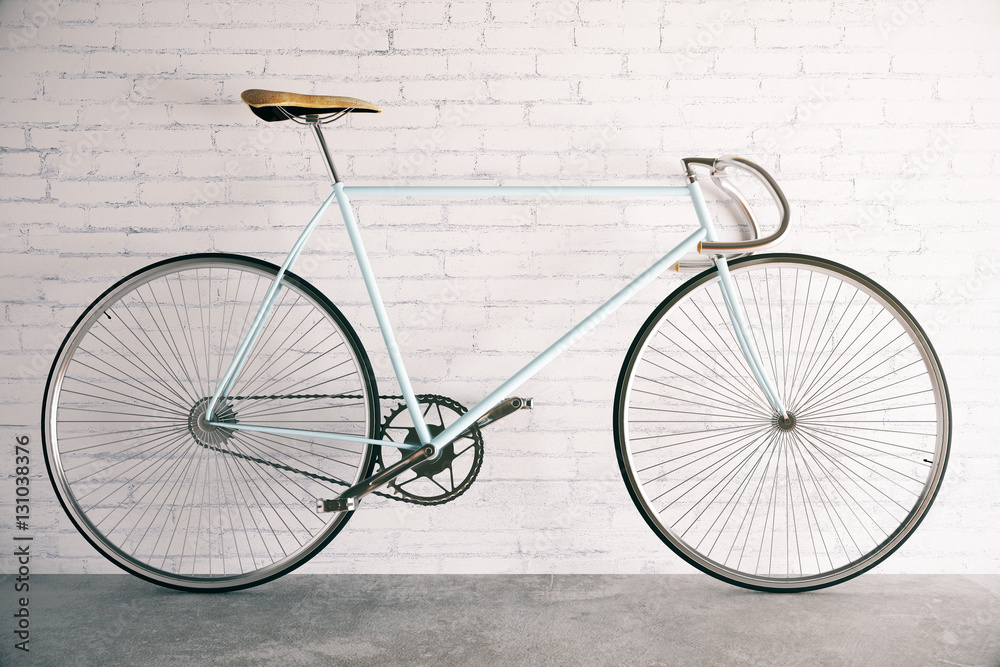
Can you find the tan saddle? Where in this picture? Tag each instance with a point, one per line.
(275, 105)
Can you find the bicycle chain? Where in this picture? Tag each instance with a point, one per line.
(324, 478)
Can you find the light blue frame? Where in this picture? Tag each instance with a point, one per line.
(705, 232)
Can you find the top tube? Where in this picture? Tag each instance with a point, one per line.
(623, 191)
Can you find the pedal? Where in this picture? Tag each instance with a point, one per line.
(349, 499)
(337, 505)
(511, 405)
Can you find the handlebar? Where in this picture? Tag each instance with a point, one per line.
(718, 175)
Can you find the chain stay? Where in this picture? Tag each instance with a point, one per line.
(313, 475)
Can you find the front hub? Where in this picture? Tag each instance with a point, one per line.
(786, 423)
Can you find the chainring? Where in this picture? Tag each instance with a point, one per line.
(449, 474)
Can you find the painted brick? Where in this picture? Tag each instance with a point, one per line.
(528, 38)
(855, 63)
(665, 64)
(512, 12)
(450, 89)
(623, 89)
(579, 64)
(21, 87)
(505, 64)
(424, 12)
(747, 62)
(894, 89)
(496, 165)
(337, 13)
(396, 66)
(29, 111)
(222, 64)
(76, 12)
(88, 36)
(713, 87)
(791, 11)
(21, 164)
(12, 137)
(930, 62)
(468, 12)
(156, 39)
(132, 63)
(838, 113)
(79, 192)
(526, 139)
(964, 88)
(22, 188)
(314, 64)
(688, 40)
(601, 11)
(618, 38)
(254, 40)
(164, 12)
(540, 165)
(571, 114)
(434, 38)
(516, 90)
(713, 114)
(927, 114)
(802, 35)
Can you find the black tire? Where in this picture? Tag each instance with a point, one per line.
(700, 455)
(142, 364)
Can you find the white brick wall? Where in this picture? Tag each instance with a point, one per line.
(122, 141)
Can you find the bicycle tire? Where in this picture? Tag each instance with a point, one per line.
(783, 505)
(169, 498)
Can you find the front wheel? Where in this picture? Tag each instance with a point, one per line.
(771, 503)
(166, 495)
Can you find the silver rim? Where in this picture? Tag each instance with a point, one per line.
(775, 504)
(148, 482)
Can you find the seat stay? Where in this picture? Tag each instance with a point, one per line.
(236, 365)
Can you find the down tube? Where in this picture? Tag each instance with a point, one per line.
(575, 334)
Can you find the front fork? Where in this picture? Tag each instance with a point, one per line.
(731, 298)
(745, 339)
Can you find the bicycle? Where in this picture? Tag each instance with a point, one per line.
(212, 421)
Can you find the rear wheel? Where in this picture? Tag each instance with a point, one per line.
(153, 486)
(772, 503)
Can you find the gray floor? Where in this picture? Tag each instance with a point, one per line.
(507, 620)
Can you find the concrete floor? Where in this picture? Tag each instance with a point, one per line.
(644, 620)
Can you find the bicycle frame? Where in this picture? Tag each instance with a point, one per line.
(705, 233)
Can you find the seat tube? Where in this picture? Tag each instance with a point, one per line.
(380, 314)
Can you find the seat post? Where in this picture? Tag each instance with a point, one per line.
(314, 123)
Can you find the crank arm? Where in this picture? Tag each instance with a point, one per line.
(349, 499)
(503, 409)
